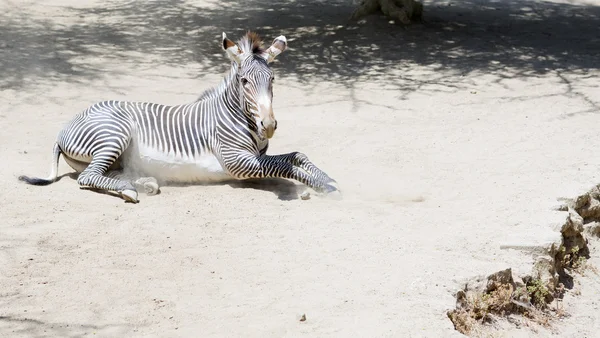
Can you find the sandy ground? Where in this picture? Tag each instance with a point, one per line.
(449, 139)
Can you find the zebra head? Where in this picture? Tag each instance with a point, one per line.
(255, 78)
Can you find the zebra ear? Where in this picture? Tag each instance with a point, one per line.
(233, 51)
(278, 46)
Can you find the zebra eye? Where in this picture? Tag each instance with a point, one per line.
(273, 79)
(244, 81)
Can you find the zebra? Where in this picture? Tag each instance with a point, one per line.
(122, 147)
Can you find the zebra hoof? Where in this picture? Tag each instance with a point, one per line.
(130, 196)
(330, 187)
(331, 191)
(151, 188)
(334, 184)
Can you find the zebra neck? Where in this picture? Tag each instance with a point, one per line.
(232, 95)
(227, 94)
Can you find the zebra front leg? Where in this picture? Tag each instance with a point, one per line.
(300, 160)
(93, 177)
(279, 166)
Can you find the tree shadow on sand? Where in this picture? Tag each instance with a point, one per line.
(30, 327)
(514, 38)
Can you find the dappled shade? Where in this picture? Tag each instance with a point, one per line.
(512, 37)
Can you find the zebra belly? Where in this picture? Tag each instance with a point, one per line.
(170, 167)
(77, 163)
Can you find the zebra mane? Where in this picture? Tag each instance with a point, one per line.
(251, 43)
(220, 88)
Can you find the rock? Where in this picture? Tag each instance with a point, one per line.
(592, 229)
(500, 278)
(545, 271)
(305, 195)
(573, 225)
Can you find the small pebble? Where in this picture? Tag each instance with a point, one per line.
(303, 318)
(305, 195)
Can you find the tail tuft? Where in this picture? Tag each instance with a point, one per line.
(53, 172)
(34, 180)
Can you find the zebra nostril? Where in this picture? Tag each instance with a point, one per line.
(275, 125)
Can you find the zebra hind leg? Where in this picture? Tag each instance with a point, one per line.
(93, 177)
(149, 185)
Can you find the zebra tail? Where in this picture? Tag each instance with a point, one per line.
(53, 171)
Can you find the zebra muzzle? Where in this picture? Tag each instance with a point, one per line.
(269, 127)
